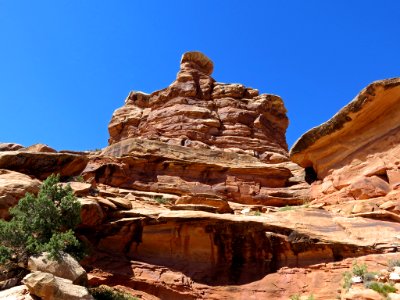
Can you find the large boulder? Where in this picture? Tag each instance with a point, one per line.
(356, 154)
(91, 212)
(14, 186)
(66, 267)
(43, 164)
(10, 146)
(19, 292)
(50, 287)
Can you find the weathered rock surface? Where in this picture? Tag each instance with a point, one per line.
(197, 112)
(43, 164)
(19, 292)
(323, 281)
(155, 166)
(239, 249)
(10, 146)
(39, 148)
(13, 186)
(195, 198)
(65, 267)
(356, 154)
(50, 287)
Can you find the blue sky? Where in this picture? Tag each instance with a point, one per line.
(66, 65)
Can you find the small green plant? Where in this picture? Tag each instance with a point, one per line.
(286, 208)
(369, 276)
(79, 178)
(161, 200)
(347, 280)
(382, 288)
(359, 270)
(41, 223)
(107, 293)
(257, 213)
(298, 297)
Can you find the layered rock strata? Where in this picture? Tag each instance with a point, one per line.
(156, 166)
(356, 154)
(195, 111)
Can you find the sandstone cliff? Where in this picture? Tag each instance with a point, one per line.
(195, 198)
(356, 154)
(195, 111)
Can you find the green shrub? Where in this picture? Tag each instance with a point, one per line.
(359, 270)
(394, 263)
(161, 200)
(381, 288)
(297, 297)
(286, 208)
(106, 293)
(41, 223)
(347, 280)
(369, 276)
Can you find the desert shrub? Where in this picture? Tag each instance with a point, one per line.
(297, 297)
(286, 208)
(347, 280)
(359, 270)
(382, 288)
(161, 200)
(394, 263)
(106, 293)
(369, 276)
(41, 223)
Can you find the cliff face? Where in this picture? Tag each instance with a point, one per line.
(195, 111)
(356, 154)
(195, 197)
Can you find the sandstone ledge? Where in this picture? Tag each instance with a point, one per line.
(374, 112)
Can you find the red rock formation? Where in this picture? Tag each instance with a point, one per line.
(195, 111)
(181, 204)
(155, 166)
(13, 186)
(43, 164)
(356, 154)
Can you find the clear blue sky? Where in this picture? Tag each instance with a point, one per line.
(66, 65)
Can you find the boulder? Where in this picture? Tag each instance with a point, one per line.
(67, 267)
(40, 148)
(91, 212)
(79, 188)
(10, 146)
(19, 292)
(14, 186)
(362, 294)
(219, 204)
(50, 287)
(43, 164)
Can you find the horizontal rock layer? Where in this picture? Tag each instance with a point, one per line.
(155, 166)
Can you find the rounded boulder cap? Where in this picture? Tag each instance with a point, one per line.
(199, 59)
